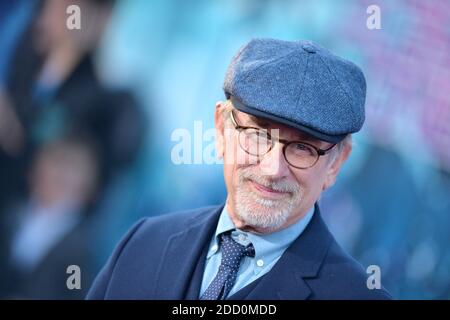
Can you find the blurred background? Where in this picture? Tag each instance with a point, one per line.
(87, 116)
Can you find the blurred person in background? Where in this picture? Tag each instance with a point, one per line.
(14, 17)
(53, 88)
(48, 228)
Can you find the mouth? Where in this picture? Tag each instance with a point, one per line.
(267, 192)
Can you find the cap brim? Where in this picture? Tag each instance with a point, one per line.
(263, 114)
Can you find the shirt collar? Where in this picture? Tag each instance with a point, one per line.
(265, 244)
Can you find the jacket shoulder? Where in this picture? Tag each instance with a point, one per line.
(172, 223)
(141, 248)
(342, 277)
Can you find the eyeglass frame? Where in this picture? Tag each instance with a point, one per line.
(285, 143)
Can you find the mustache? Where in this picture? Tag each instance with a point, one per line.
(280, 185)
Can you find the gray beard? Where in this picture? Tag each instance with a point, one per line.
(269, 214)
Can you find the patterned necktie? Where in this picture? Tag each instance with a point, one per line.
(232, 254)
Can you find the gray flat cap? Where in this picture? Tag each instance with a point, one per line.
(299, 84)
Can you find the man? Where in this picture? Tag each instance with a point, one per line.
(284, 133)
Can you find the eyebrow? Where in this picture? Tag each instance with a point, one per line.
(261, 122)
(252, 121)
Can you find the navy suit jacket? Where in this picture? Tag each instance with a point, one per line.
(163, 258)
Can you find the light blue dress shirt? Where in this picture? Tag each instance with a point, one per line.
(268, 249)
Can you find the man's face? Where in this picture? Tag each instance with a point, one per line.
(265, 193)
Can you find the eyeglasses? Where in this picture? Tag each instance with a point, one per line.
(258, 142)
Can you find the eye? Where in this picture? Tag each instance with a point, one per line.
(300, 146)
(262, 133)
(302, 149)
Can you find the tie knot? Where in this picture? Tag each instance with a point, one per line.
(233, 252)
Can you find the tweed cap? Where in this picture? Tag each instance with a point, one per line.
(299, 84)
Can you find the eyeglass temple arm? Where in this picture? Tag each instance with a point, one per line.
(322, 152)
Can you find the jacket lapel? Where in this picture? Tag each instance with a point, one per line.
(181, 255)
(300, 261)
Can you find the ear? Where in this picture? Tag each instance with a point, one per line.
(219, 124)
(335, 166)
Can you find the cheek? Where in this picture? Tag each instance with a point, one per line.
(310, 181)
(234, 160)
(229, 172)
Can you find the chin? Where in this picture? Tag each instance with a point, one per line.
(262, 213)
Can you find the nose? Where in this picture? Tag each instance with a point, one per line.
(273, 163)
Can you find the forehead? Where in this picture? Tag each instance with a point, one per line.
(246, 119)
